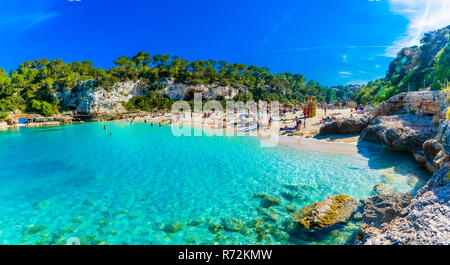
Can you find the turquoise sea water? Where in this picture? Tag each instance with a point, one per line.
(79, 181)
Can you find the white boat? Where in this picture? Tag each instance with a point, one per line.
(249, 128)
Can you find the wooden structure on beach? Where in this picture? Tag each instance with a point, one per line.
(311, 105)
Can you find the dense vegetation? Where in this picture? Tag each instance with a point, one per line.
(33, 86)
(414, 68)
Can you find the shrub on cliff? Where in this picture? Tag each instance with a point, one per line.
(41, 107)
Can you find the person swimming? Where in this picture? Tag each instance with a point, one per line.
(104, 127)
(110, 133)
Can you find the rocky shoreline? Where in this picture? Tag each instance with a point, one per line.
(407, 123)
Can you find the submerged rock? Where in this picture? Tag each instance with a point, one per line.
(214, 227)
(335, 209)
(232, 224)
(196, 221)
(34, 229)
(383, 189)
(266, 200)
(173, 227)
(289, 196)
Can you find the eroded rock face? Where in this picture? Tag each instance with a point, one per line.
(184, 91)
(384, 208)
(345, 126)
(88, 99)
(431, 149)
(400, 132)
(335, 209)
(426, 221)
(421, 103)
(444, 136)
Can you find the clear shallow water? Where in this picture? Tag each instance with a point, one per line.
(78, 181)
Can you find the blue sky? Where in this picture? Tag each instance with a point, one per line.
(332, 42)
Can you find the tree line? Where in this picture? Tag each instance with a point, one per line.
(33, 85)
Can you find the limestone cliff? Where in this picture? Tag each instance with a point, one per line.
(85, 98)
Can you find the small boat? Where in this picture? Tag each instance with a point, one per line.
(249, 128)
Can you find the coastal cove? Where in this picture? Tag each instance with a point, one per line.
(142, 185)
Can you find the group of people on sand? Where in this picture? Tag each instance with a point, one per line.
(298, 124)
(327, 119)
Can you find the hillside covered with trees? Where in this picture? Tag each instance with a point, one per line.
(33, 85)
(414, 68)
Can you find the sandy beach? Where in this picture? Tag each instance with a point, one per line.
(305, 138)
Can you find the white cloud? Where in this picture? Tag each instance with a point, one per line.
(423, 16)
(345, 73)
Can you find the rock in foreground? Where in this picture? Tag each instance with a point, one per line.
(426, 221)
(335, 209)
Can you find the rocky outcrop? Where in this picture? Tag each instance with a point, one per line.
(400, 132)
(86, 98)
(431, 149)
(335, 209)
(422, 103)
(209, 92)
(346, 126)
(426, 221)
(384, 208)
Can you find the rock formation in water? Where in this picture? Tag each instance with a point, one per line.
(335, 209)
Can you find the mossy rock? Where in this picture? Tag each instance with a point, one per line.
(266, 200)
(335, 209)
(214, 227)
(173, 227)
(232, 224)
